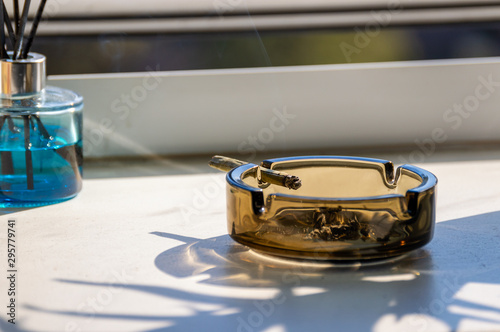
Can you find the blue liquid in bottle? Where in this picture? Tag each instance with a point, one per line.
(40, 147)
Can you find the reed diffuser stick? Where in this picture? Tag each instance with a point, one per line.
(27, 153)
(16, 15)
(6, 156)
(8, 23)
(20, 34)
(3, 51)
(34, 27)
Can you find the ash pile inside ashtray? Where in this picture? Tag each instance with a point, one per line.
(338, 224)
(335, 224)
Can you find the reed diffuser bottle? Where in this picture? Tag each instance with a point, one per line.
(40, 127)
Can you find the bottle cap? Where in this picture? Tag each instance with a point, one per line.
(22, 76)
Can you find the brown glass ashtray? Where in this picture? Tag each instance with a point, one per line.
(345, 208)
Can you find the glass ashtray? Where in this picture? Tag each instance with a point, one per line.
(347, 208)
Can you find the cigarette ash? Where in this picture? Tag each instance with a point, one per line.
(335, 224)
(338, 225)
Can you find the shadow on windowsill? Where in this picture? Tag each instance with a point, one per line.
(436, 287)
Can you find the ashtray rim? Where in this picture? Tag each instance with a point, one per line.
(392, 176)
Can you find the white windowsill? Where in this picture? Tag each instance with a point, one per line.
(139, 252)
